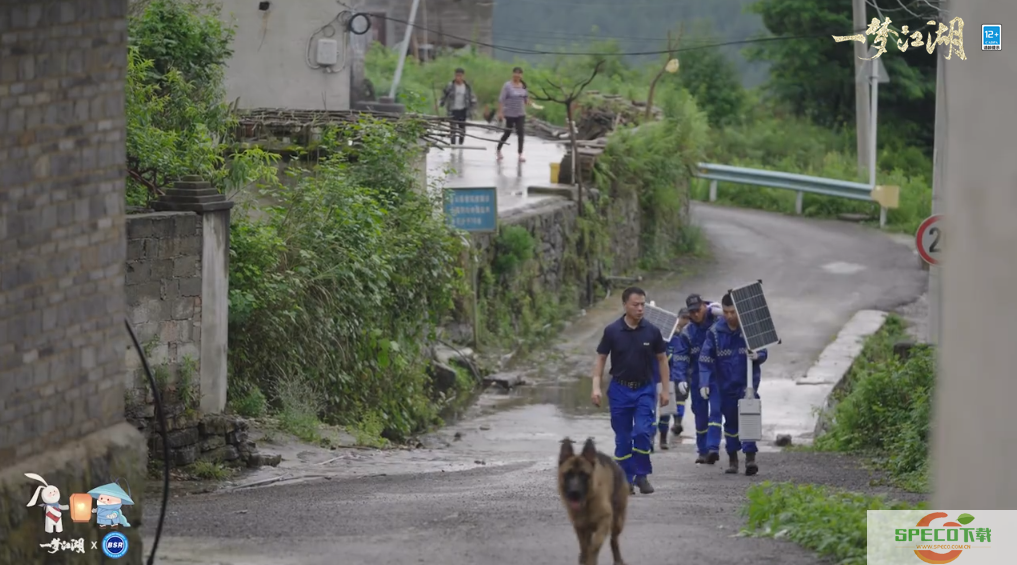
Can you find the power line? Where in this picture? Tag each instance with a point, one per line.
(523, 51)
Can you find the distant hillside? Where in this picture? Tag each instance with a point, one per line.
(637, 25)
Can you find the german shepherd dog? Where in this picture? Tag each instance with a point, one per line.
(595, 493)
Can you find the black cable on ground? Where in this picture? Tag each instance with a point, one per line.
(161, 415)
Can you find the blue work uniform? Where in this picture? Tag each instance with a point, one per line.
(722, 367)
(707, 412)
(664, 419)
(632, 394)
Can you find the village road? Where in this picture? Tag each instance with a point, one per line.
(483, 491)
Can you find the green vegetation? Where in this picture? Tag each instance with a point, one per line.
(828, 521)
(209, 470)
(801, 120)
(337, 288)
(654, 165)
(178, 121)
(883, 409)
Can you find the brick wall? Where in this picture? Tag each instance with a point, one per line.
(62, 334)
(163, 286)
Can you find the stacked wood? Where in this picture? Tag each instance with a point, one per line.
(276, 128)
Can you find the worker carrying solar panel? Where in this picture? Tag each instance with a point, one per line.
(702, 316)
(678, 388)
(723, 363)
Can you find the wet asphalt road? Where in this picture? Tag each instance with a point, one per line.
(488, 497)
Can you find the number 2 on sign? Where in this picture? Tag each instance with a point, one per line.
(934, 247)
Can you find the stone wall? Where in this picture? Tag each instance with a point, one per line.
(215, 438)
(163, 286)
(624, 220)
(553, 223)
(62, 255)
(550, 225)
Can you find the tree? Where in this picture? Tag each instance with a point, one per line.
(177, 120)
(815, 76)
(670, 66)
(568, 98)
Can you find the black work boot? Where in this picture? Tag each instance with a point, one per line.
(644, 485)
(750, 464)
(701, 460)
(663, 439)
(732, 466)
(677, 430)
(712, 457)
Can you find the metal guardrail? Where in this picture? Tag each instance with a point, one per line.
(885, 196)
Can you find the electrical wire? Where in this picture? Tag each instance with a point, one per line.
(344, 19)
(522, 51)
(161, 415)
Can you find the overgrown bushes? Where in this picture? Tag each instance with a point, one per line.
(830, 522)
(654, 163)
(883, 409)
(340, 285)
(178, 121)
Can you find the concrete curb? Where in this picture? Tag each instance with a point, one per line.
(837, 358)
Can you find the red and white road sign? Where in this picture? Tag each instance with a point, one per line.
(928, 239)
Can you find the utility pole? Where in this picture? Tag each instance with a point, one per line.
(861, 87)
(938, 158)
(405, 48)
(973, 458)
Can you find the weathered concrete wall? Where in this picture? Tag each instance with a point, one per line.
(215, 305)
(270, 66)
(177, 287)
(163, 286)
(62, 255)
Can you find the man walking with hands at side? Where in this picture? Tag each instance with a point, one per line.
(634, 346)
(723, 368)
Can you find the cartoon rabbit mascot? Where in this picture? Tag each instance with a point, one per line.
(51, 502)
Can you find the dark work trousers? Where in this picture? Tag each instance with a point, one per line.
(458, 126)
(510, 124)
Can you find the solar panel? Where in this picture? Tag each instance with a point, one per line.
(754, 314)
(664, 320)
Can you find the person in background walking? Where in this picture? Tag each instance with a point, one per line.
(512, 108)
(459, 100)
(723, 364)
(706, 411)
(635, 346)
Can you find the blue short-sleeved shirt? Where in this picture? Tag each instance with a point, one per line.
(633, 350)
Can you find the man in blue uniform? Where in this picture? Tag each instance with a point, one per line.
(680, 398)
(634, 346)
(678, 386)
(723, 364)
(706, 410)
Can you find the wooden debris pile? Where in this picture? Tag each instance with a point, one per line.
(598, 116)
(276, 129)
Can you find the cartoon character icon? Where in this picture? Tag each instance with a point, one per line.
(51, 502)
(109, 498)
